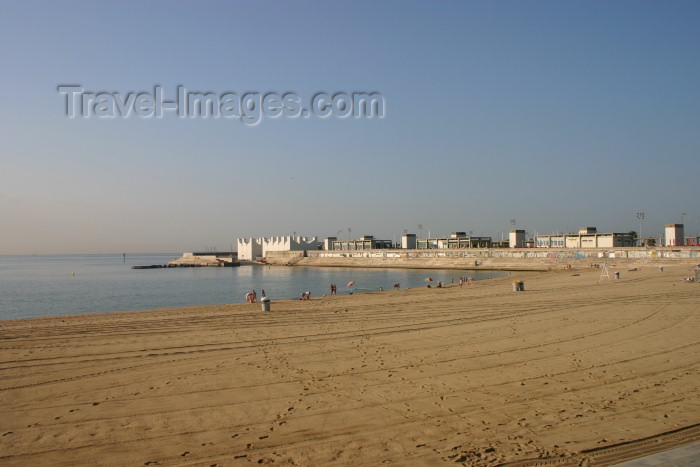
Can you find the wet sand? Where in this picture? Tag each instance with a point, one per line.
(477, 375)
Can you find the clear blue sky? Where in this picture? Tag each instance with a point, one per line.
(557, 114)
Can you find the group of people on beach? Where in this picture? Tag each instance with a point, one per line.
(465, 280)
(250, 297)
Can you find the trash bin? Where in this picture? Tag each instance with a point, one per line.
(522, 286)
(617, 275)
(265, 301)
(516, 286)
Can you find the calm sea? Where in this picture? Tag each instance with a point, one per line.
(62, 285)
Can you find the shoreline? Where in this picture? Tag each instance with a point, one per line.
(191, 301)
(479, 375)
(257, 303)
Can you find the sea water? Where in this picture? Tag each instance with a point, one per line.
(63, 285)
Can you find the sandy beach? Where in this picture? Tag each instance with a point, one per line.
(477, 375)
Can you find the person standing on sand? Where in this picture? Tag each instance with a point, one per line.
(253, 297)
(262, 293)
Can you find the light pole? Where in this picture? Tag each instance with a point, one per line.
(640, 216)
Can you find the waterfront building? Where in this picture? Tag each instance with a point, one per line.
(408, 241)
(328, 243)
(455, 240)
(366, 242)
(587, 237)
(674, 235)
(251, 249)
(516, 238)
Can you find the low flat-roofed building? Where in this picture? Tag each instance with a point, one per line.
(691, 241)
(454, 241)
(588, 237)
(366, 242)
(551, 241)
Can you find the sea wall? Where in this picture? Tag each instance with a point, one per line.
(532, 259)
(196, 259)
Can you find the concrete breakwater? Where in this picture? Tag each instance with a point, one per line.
(515, 259)
(172, 264)
(205, 260)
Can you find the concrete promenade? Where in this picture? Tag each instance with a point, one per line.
(532, 259)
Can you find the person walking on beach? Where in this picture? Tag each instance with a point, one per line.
(254, 295)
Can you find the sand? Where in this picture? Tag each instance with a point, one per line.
(477, 375)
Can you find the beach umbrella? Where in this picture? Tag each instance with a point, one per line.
(351, 283)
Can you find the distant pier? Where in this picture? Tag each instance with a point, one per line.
(208, 259)
(198, 260)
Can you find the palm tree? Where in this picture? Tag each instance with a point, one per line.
(633, 234)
